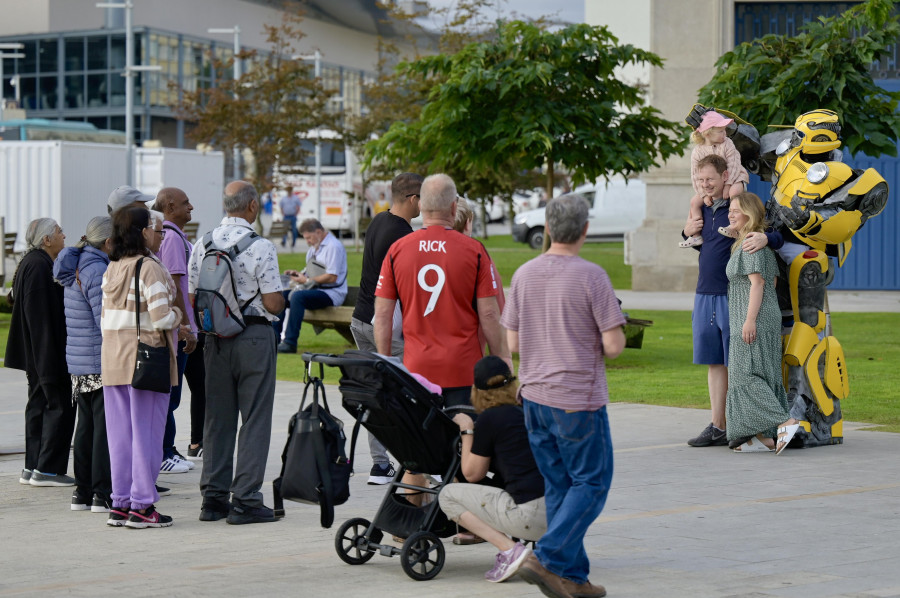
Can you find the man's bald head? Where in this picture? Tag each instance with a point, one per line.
(175, 205)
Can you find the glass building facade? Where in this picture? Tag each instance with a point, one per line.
(77, 76)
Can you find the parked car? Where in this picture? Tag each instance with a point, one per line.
(616, 208)
(496, 212)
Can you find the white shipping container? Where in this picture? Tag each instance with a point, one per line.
(70, 182)
(199, 175)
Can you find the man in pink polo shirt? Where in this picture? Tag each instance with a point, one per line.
(563, 318)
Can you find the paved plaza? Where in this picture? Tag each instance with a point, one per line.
(680, 522)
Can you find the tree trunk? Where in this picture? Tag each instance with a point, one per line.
(550, 176)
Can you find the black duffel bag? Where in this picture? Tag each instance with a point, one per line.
(315, 468)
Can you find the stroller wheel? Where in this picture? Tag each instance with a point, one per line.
(351, 543)
(422, 556)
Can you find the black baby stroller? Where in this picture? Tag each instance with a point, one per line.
(410, 422)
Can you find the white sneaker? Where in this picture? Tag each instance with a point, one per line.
(190, 464)
(170, 465)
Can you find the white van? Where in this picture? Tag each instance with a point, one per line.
(616, 208)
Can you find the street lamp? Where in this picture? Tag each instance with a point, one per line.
(128, 73)
(317, 57)
(236, 31)
(8, 46)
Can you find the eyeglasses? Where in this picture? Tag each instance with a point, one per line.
(408, 195)
(161, 233)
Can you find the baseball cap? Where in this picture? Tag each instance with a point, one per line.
(713, 119)
(126, 195)
(490, 367)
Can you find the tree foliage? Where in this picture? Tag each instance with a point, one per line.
(391, 96)
(265, 110)
(775, 78)
(526, 98)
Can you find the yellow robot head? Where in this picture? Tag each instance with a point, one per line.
(817, 132)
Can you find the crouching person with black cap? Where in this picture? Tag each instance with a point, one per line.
(497, 442)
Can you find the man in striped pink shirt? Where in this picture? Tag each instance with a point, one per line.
(563, 318)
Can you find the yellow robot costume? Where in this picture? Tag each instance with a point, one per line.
(817, 203)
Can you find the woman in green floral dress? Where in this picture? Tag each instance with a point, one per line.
(756, 408)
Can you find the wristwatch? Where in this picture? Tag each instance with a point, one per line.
(466, 432)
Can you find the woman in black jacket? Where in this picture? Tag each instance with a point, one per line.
(37, 345)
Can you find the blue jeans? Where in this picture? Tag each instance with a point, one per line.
(299, 303)
(574, 453)
(292, 220)
(174, 401)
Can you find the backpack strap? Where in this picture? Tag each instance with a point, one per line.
(239, 248)
(234, 251)
(187, 246)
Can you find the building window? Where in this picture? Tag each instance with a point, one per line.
(97, 53)
(75, 54)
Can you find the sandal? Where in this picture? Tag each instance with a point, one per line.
(785, 435)
(733, 444)
(727, 232)
(691, 241)
(753, 445)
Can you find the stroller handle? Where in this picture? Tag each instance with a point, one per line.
(339, 360)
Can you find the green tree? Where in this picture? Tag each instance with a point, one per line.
(266, 108)
(775, 78)
(527, 99)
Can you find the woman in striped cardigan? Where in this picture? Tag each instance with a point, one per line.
(135, 419)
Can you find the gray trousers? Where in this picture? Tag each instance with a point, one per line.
(240, 380)
(364, 335)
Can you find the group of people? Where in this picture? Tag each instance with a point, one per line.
(82, 314)
(432, 297)
(736, 321)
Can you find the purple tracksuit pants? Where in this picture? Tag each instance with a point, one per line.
(135, 422)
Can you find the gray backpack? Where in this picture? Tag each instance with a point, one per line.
(216, 307)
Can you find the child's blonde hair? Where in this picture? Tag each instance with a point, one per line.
(697, 138)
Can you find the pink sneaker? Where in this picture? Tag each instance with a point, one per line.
(149, 518)
(692, 241)
(507, 564)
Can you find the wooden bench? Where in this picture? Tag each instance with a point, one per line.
(190, 231)
(9, 250)
(338, 318)
(278, 230)
(334, 318)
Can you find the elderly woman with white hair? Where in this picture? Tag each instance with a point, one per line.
(37, 345)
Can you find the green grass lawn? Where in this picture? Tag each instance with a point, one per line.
(507, 255)
(661, 373)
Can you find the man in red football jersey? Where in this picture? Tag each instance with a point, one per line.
(446, 288)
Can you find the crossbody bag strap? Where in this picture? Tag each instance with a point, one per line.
(137, 304)
(137, 298)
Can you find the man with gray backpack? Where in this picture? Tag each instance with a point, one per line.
(235, 288)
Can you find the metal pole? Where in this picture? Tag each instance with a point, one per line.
(236, 158)
(318, 72)
(129, 95)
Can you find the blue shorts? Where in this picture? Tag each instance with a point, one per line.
(709, 324)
